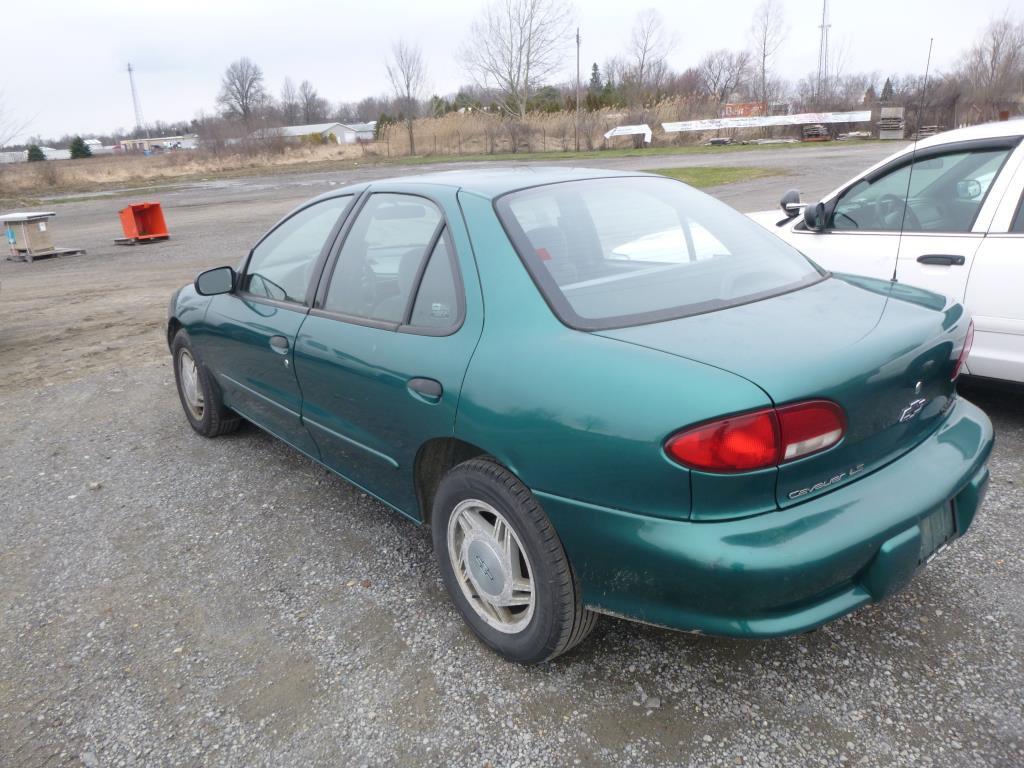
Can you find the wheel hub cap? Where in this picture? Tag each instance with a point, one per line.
(191, 390)
(485, 568)
(491, 566)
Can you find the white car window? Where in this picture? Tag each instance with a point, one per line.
(945, 194)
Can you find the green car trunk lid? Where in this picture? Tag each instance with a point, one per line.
(883, 351)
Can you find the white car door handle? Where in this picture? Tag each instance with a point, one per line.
(942, 259)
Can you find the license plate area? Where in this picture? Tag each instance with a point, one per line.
(938, 528)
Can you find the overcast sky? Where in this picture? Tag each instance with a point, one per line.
(62, 64)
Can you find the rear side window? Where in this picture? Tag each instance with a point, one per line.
(1018, 220)
(945, 194)
(437, 298)
(281, 265)
(380, 262)
(613, 252)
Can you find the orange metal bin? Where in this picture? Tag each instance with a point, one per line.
(143, 221)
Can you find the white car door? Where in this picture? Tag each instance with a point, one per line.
(953, 192)
(949, 212)
(995, 291)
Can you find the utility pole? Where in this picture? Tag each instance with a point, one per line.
(577, 127)
(822, 85)
(135, 101)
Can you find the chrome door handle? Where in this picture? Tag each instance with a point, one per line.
(279, 344)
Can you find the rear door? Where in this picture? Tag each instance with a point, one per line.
(994, 292)
(382, 355)
(249, 334)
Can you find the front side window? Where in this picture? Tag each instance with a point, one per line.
(281, 265)
(613, 252)
(945, 194)
(379, 263)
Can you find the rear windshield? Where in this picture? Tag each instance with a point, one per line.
(613, 252)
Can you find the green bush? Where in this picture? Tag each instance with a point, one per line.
(79, 148)
(35, 154)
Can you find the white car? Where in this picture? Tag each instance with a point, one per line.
(962, 231)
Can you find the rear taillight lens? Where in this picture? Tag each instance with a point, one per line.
(733, 444)
(810, 427)
(759, 439)
(968, 342)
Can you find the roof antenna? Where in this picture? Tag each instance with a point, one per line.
(913, 154)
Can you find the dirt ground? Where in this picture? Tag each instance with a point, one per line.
(169, 600)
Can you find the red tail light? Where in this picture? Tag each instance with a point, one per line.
(810, 427)
(734, 444)
(759, 439)
(968, 343)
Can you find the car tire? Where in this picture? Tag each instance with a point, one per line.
(480, 511)
(198, 392)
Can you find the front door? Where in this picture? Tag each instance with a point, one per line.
(249, 335)
(919, 222)
(383, 352)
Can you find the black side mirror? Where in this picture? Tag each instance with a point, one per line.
(790, 203)
(814, 217)
(215, 281)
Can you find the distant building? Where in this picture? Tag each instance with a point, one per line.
(159, 143)
(342, 133)
(363, 131)
(96, 147)
(56, 154)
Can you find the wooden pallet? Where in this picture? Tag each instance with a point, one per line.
(139, 240)
(30, 257)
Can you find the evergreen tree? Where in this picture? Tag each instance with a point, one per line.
(595, 78)
(79, 148)
(35, 154)
(887, 90)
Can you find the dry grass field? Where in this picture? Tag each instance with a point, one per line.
(24, 181)
(475, 135)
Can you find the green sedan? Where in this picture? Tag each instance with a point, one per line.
(604, 393)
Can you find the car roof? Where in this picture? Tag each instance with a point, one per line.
(998, 130)
(492, 182)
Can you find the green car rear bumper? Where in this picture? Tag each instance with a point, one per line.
(787, 571)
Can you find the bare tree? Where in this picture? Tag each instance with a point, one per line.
(650, 44)
(289, 102)
(10, 126)
(312, 106)
(993, 68)
(722, 72)
(408, 75)
(614, 71)
(768, 33)
(514, 46)
(242, 93)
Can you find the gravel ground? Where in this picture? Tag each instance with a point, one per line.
(170, 600)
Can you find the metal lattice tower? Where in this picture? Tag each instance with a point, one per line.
(139, 122)
(822, 83)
